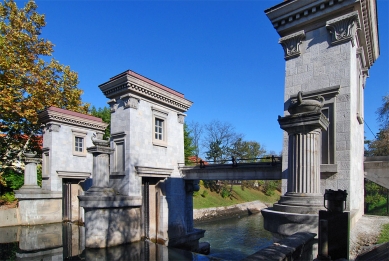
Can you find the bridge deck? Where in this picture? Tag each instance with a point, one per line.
(242, 171)
(377, 170)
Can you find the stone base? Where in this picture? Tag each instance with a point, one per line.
(112, 220)
(189, 242)
(299, 203)
(287, 224)
(37, 206)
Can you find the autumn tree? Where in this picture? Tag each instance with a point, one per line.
(30, 81)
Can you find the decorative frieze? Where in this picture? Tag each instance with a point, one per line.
(52, 117)
(291, 44)
(130, 101)
(343, 28)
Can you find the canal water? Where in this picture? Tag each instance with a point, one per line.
(236, 238)
(230, 239)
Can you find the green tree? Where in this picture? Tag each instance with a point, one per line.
(219, 139)
(247, 150)
(29, 83)
(189, 148)
(216, 151)
(105, 115)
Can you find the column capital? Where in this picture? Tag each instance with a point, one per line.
(291, 44)
(343, 28)
(303, 122)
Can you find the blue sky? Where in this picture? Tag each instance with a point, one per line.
(223, 55)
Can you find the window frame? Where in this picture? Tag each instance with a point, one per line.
(80, 135)
(161, 115)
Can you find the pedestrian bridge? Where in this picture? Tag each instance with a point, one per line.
(377, 170)
(271, 170)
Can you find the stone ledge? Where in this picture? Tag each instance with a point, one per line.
(23, 194)
(289, 248)
(286, 224)
(93, 201)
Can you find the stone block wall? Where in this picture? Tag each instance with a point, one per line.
(323, 65)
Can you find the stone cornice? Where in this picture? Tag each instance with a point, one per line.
(143, 171)
(128, 84)
(293, 15)
(288, 13)
(369, 25)
(50, 117)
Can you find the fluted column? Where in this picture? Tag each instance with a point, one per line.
(304, 162)
(304, 151)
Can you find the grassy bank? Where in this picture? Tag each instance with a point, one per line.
(206, 198)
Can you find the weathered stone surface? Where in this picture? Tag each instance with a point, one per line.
(105, 227)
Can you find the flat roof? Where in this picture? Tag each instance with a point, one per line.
(76, 114)
(145, 79)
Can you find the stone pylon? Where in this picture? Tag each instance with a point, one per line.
(329, 47)
(110, 218)
(297, 210)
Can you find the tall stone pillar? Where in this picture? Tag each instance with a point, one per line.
(329, 47)
(297, 210)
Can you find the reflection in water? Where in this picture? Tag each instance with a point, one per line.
(231, 239)
(236, 238)
(65, 241)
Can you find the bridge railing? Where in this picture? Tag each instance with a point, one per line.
(235, 162)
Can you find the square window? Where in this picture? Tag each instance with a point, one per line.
(78, 144)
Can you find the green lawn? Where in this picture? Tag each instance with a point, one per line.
(210, 199)
(384, 236)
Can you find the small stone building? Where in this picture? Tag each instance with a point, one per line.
(147, 136)
(66, 165)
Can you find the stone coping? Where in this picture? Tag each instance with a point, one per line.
(24, 194)
(95, 201)
(289, 248)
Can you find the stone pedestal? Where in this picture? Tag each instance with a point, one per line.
(110, 219)
(297, 210)
(37, 206)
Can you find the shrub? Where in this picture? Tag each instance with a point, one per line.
(269, 187)
(205, 193)
(8, 197)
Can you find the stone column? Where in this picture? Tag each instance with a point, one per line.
(297, 210)
(304, 152)
(37, 206)
(101, 152)
(30, 174)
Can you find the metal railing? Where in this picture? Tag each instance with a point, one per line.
(235, 162)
